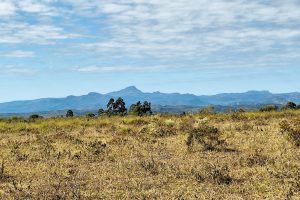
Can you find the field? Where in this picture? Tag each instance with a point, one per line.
(207, 156)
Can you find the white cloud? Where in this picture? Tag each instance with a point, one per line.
(165, 31)
(17, 70)
(18, 54)
(114, 8)
(196, 28)
(27, 33)
(7, 9)
(35, 7)
(98, 69)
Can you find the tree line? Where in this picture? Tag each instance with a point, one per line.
(118, 107)
(288, 106)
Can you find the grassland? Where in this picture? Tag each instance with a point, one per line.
(248, 156)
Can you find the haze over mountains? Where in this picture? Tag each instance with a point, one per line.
(93, 101)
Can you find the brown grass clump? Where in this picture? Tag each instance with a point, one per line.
(204, 156)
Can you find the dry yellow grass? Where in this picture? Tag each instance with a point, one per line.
(148, 158)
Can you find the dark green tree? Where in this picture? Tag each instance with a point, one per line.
(116, 107)
(119, 107)
(110, 106)
(140, 109)
(70, 113)
(146, 108)
(290, 106)
(101, 112)
(136, 109)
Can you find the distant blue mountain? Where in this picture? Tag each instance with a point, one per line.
(131, 95)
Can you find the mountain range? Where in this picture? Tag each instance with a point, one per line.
(93, 101)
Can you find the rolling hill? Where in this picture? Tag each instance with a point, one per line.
(93, 101)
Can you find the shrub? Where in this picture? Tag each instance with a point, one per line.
(215, 173)
(219, 174)
(35, 116)
(207, 136)
(69, 113)
(284, 126)
(151, 166)
(294, 136)
(238, 116)
(97, 147)
(290, 106)
(101, 112)
(3, 175)
(166, 128)
(140, 109)
(207, 110)
(90, 115)
(269, 108)
(257, 158)
(293, 132)
(16, 119)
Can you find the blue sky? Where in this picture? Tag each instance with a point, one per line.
(55, 48)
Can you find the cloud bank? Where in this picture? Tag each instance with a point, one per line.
(156, 33)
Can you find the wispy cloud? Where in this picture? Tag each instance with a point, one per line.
(35, 34)
(17, 70)
(98, 69)
(18, 54)
(31, 6)
(194, 29)
(161, 31)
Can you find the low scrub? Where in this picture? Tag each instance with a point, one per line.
(207, 136)
(292, 131)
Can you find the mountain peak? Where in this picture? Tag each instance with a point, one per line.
(131, 89)
(128, 91)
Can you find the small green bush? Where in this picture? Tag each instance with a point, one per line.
(269, 108)
(90, 115)
(219, 174)
(292, 130)
(34, 117)
(96, 147)
(294, 136)
(207, 136)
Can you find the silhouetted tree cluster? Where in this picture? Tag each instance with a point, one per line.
(70, 113)
(290, 106)
(116, 107)
(140, 109)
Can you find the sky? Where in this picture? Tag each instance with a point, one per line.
(56, 48)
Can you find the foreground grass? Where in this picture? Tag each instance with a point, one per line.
(148, 158)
